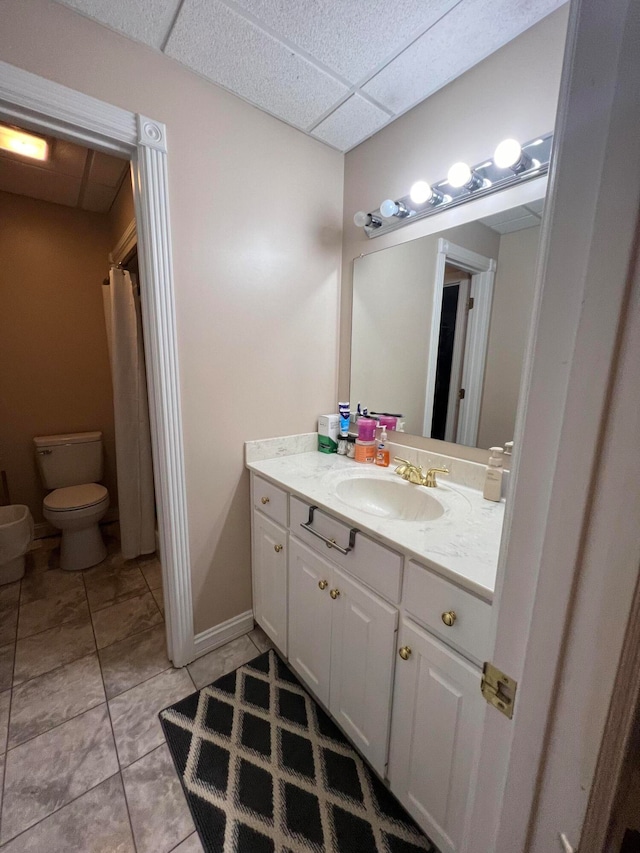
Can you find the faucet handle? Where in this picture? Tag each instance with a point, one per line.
(430, 476)
(403, 467)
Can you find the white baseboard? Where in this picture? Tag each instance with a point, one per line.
(220, 634)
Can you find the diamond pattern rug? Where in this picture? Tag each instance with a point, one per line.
(265, 770)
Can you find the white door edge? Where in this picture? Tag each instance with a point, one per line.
(588, 231)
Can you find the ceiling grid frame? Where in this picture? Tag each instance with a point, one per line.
(309, 52)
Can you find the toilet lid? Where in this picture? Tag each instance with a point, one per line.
(75, 497)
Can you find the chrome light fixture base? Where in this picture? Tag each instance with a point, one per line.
(489, 179)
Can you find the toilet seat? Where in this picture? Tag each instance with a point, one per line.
(75, 497)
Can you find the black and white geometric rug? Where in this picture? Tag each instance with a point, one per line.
(265, 770)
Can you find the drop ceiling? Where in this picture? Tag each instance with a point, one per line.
(516, 219)
(73, 175)
(339, 70)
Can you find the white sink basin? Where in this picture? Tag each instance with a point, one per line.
(389, 498)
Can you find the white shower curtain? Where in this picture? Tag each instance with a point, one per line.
(131, 410)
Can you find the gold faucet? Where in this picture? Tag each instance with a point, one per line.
(415, 473)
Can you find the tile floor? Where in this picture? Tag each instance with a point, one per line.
(83, 674)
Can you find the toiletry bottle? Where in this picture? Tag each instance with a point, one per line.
(493, 479)
(382, 456)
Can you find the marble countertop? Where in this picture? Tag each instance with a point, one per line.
(461, 545)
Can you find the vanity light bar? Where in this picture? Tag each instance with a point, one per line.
(511, 164)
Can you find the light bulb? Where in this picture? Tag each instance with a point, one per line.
(459, 175)
(389, 208)
(507, 154)
(420, 192)
(361, 219)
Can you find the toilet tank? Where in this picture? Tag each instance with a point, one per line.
(70, 459)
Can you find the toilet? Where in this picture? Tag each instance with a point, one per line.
(71, 465)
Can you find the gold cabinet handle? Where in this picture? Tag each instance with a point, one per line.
(334, 593)
(405, 653)
(330, 543)
(264, 500)
(323, 584)
(277, 548)
(449, 617)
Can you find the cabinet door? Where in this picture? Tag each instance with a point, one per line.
(310, 578)
(363, 629)
(436, 727)
(270, 579)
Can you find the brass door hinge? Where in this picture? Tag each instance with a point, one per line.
(470, 302)
(498, 689)
(461, 394)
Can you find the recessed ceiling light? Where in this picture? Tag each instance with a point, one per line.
(25, 144)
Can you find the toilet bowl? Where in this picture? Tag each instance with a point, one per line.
(76, 511)
(70, 464)
(16, 533)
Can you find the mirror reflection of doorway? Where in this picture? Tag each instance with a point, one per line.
(451, 347)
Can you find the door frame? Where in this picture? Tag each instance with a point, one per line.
(49, 108)
(555, 575)
(482, 271)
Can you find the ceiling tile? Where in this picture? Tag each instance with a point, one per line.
(98, 198)
(352, 122)
(536, 206)
(24, 179)
(67, 158)
(107, 170)
(466, 35)
(224, 46)
(505, 216)
(147, 21)
(353, 38)
(517, 224)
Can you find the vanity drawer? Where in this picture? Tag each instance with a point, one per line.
(270, 500)
(374, 564)
(428, 597)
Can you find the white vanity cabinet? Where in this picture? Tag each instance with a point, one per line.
(391, 648)
(342, 644)
(269, 552)
(437, 717)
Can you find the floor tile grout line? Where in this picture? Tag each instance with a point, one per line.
(59, 809)
(113, 735)
(57, 725)
(171, 667)
(6, 751)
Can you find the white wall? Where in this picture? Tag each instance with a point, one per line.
(256, 295)
(392, 315)
(514, 92)
(510, 320)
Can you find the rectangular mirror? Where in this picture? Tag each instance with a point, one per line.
(440, 325)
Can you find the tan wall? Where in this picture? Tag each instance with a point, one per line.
(256, 214)
(54, 367)
(392, 313)
(508, 333)
(514, 92)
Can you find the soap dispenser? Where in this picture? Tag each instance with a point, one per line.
(382, 454)
(493, 479)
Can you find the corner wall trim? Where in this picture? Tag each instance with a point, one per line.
(220, 634)
(42, 105)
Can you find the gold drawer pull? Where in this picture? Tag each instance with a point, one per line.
(277, 548)
(405, 653)
(264, 500)
(334, 593)
(323, 584)
(449, 617)
(331, 543)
